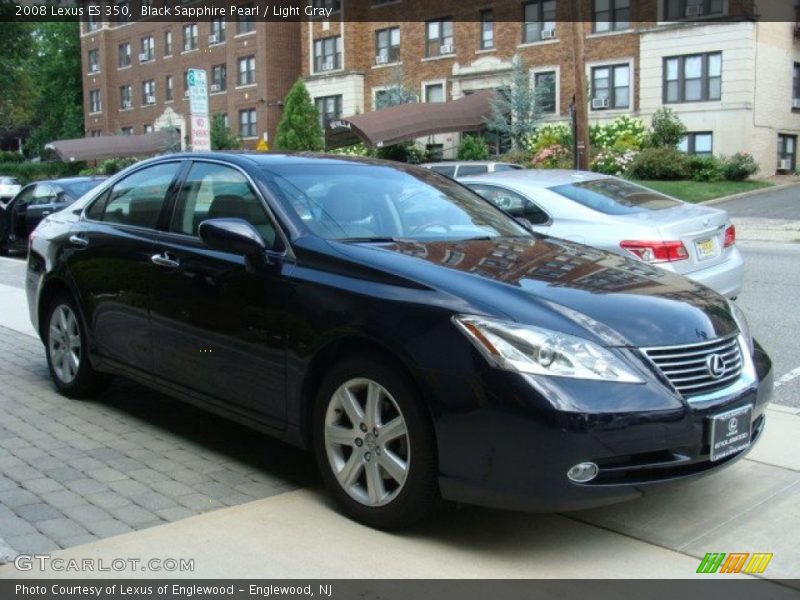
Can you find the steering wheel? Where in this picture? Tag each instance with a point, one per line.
(430, 225)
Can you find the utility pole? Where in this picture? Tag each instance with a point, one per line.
(580, 106)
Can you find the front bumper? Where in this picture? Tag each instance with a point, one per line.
(514, 451)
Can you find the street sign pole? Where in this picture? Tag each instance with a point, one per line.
(200, 126)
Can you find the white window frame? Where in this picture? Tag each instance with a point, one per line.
(549, 69)
(630, 61)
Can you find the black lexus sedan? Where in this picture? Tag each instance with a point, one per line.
(422, 342)
(33, 203)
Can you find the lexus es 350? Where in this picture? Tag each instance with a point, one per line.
(423, 343)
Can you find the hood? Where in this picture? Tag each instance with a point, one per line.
(559, 284)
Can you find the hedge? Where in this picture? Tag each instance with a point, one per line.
(34, 171)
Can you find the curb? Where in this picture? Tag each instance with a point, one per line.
(757, 192)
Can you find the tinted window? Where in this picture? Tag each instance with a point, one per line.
(365, 201)
(213, 191)
(512, 202)
(465, 170)
(615, 197)
(449, 170)
(137, 199)
(43, 194)
(79, 188)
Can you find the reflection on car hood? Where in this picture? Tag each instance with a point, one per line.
(548, 281)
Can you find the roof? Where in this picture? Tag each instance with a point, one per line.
(542, 178)
(409, 121)
(112, 146)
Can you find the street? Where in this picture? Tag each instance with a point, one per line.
(179, 481)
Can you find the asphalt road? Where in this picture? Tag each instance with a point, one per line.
(778, 204)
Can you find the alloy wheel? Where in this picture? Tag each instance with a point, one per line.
(367, 442)
(64, 343)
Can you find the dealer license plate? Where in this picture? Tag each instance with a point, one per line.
(706, 248)
(730, 432)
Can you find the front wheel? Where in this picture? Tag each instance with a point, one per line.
(374, 445)
(67, 349)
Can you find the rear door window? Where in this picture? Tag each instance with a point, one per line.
(138, 198)
(512, 202)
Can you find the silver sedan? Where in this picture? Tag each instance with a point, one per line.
(617, 215)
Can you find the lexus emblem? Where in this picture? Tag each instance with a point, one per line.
(733, 425)
(716, 366)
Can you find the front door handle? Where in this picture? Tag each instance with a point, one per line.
(79, 241)
(164, 260)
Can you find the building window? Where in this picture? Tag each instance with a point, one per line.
(387, 45)
(94, 101)
(611, 15)
(539, 21)
(217, 35)
(439, 37)
(787, 152)
(219, 78)
(148, 128)
(124, 55)
(247, 70)
(329, 108)
(225, 120)
(677, 10)
(245, 22)
(487, 29)
(544, 83)
(168, 87)
(328, 54)
(126, 130)
(796, 87)
(334, 5)
(700, 143)
(693, 78)
(148, 48)
(92, 23)
(96, 132)
(247, 123)
(434, 92)
(168, 43)
(611, 87)
(148, 92)
(125, 93)
(190, 37)
(186, 83)
(93, 59)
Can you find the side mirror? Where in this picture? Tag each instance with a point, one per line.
(236, 236)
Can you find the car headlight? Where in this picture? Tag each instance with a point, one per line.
(742, 324)
(528, 349)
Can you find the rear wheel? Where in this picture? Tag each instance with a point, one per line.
(65, 342)
(374, 444)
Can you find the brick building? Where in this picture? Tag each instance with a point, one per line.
(134, 74)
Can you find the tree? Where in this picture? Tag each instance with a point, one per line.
(667, 129)
(55, 70)
(16, 90)
(473, 147)
(299, 128)
(222, 138)
(517, 110)
(396, 93)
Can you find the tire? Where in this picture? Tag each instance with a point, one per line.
(344, 448)
(65, 344)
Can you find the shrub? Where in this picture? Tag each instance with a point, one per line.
(666, 129)
(659, 163)
(553, 157)
(622, 134)
(704, 168)
(549, 134)
(358, 149)
(524, 158)
(407, 152)
(473, 147)
(33, 171)
(611, 162)
(6, 156)
(739, 167)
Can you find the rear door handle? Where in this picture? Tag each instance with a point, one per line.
(164, 260)
(79, 241)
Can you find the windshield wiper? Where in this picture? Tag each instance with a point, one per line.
(369, 240)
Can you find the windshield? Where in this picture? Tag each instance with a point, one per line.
(79, 188)
(370, 202)
(615, 197)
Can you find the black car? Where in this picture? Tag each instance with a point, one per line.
(423, 343)
(20, 216)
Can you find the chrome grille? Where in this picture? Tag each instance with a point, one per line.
(687, 368)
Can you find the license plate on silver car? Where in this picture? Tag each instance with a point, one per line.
(706, 248)
(730, 432)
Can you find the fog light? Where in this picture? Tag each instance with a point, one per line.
(583, 472)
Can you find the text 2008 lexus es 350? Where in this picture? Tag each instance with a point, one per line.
(425, 344)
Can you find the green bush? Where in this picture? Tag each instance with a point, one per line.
(739, 167)
(612, 162)
(546, 135)
(553, 157)
(473, 147)
(659, 163)
(6, 156)
(407, 152)
(33, 171)
(705, 168)
(622, 134)
(666, 129)
(522, 158)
